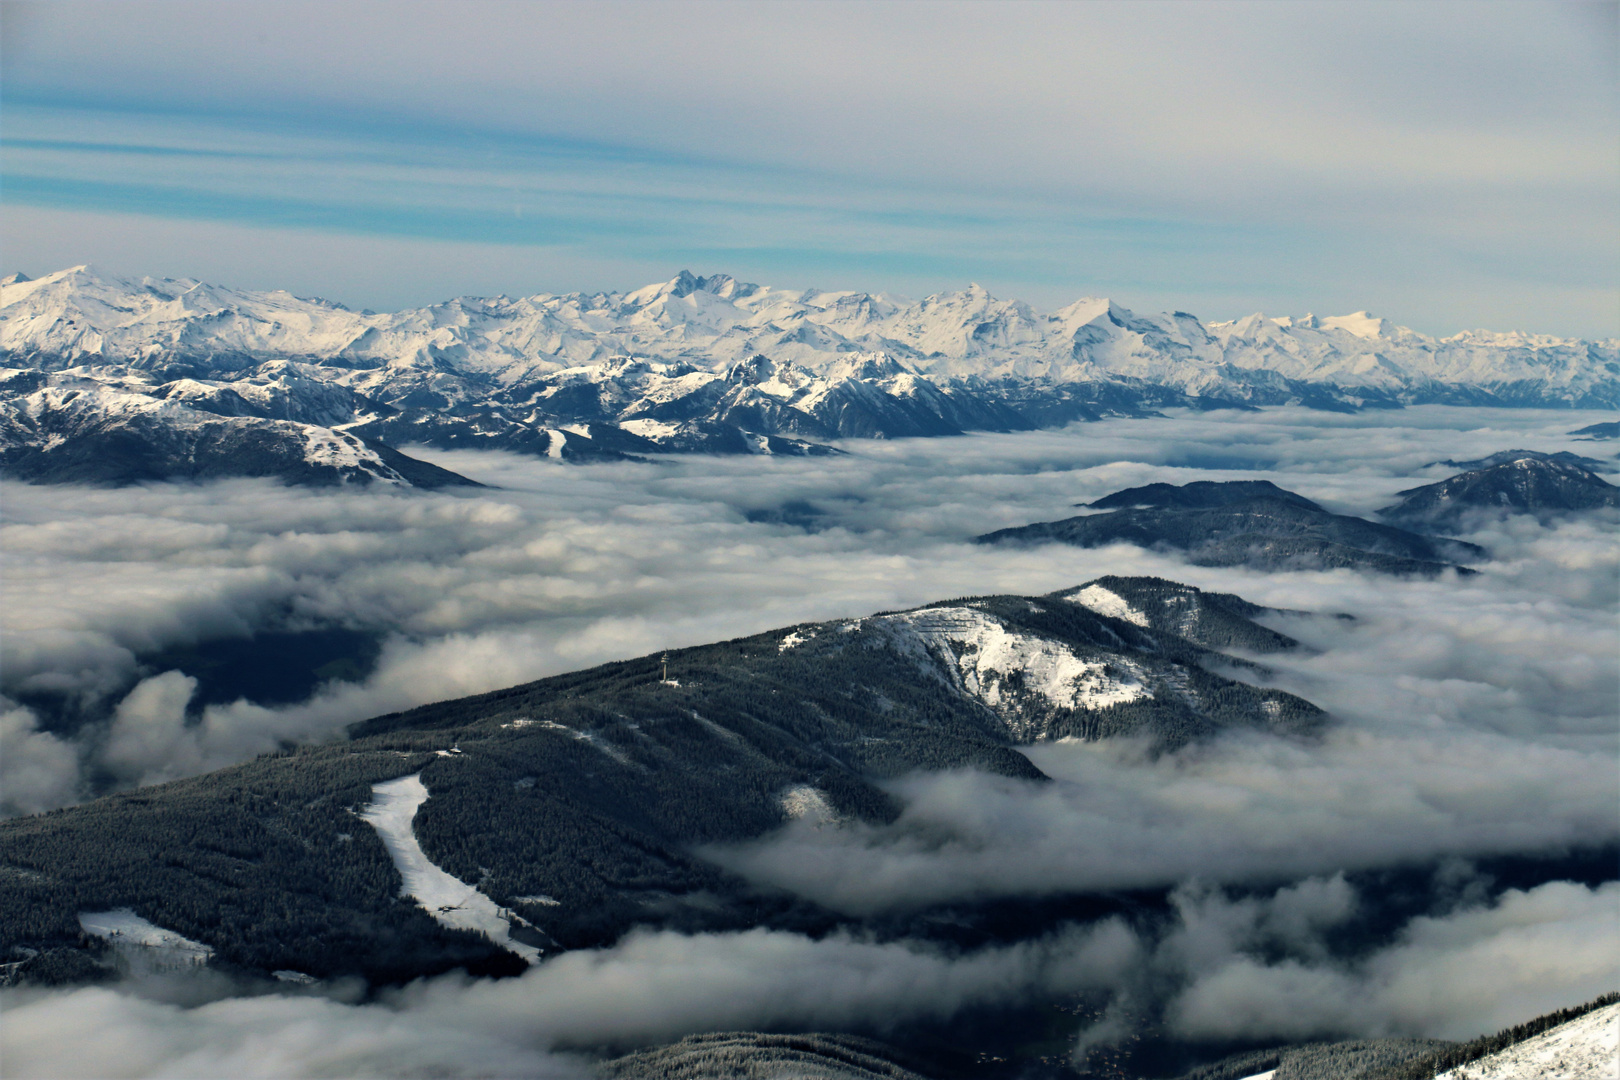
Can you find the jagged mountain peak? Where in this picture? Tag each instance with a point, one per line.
(1362, 325)
(760, 369)
(878, 365)
(684, 284)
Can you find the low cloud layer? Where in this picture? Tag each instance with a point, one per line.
(1254, 968)
(1241, 810)
(1474, 717)
(1450, 977)
(561, 567)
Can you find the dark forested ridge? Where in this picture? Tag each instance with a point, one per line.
(577, 801)
(1542, 485)
(1239, 523)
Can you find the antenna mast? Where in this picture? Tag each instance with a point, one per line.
(664, 660)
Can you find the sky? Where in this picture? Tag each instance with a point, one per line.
(1447, 166)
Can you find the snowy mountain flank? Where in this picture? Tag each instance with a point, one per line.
(1586, 1048)
(712, 364)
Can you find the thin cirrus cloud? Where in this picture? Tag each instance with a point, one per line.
(1218, 157)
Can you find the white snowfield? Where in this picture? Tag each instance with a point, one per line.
(1107, 602)
(809, 804)
(1585, 1048)
(985, 655)
(147, 945)
(448, 899)
(794, 640)
(714, 322)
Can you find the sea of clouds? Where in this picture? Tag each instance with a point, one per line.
(1475, 717)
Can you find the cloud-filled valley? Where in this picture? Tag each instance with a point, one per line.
(1474, 719)
(1209, 968)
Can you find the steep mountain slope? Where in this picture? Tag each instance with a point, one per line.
(1577, 1043)
(1262, 531)
(574, 803)
(1538, 485)
(1585, 1048)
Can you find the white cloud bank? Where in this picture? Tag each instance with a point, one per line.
(1452, 975)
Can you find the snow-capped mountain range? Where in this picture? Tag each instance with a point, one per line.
(715, 364)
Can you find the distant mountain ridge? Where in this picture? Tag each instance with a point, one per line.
(715, 365)
(1247, 523)
(1517, 482)
(713, 322)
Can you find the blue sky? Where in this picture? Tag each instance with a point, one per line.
(1447, 166)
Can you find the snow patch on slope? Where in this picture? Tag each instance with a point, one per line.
(325, 447)
(809, 804)
(793, 640)
(988, 659)
(144, 945)
(1586, 1048)
(448, 899)
(656, 430)
(1107, 602)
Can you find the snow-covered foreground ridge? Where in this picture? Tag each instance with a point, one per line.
(1585, 1048)
(78, 316)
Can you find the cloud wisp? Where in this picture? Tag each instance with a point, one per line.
(1241, 810)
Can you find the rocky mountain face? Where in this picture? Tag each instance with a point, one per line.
(712, 364)
(576, 804)
(1538, 484)
(1241, 523)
